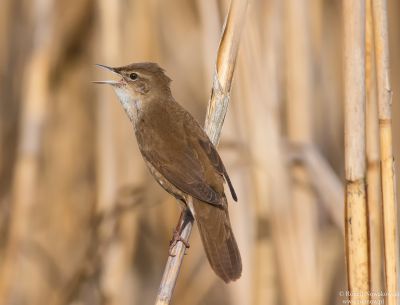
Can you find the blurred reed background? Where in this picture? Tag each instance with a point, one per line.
(81, 220)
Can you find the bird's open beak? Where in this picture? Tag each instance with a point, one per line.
(108, 68)
(109, 82)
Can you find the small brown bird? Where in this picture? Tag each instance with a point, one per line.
(181, 158)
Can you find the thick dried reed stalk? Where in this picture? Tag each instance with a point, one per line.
(225, 66)
(356, 217)
(373, 165)
(217, 108)
(386, 149)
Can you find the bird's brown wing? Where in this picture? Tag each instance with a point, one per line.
(184, 171)
(189, 166)
(216, 161)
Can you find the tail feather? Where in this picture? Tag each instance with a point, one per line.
(218, 240)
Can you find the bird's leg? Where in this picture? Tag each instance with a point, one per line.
(183, 220)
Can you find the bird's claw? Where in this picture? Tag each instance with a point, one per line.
(175, 238)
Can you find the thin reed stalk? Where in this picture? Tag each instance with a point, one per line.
(386, 149)
(356, 214)
(373, 165)
(217, 108)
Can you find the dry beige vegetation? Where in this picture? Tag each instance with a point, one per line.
(308, 125)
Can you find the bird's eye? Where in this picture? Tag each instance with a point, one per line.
(133, 76)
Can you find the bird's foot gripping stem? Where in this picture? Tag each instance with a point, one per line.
(176, 237)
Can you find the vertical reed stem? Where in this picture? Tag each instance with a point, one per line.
(386, 149)
(373, 164)
(356, 212)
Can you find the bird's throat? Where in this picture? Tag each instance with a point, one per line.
(132, 106)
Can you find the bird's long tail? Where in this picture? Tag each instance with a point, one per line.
(218, 239)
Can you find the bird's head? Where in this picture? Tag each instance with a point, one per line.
(139, 83)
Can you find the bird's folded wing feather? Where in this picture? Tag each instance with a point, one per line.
(184, 171)
(211, 152)
(216, 161)
(182, 166)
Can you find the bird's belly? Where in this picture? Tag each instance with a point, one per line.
(169, 187)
